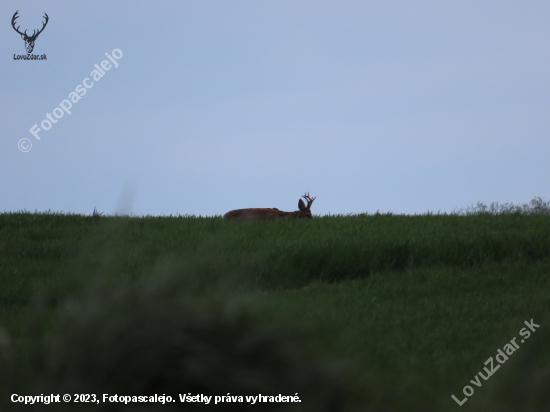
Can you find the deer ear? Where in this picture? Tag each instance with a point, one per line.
(302, 205)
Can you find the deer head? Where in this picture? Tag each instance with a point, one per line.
(29, 40)
(304, 212)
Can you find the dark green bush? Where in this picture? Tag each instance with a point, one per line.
(153, 340)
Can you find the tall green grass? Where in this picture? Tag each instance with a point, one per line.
(410, 306)
(270, 255)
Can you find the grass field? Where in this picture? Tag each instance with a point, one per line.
(364, 312)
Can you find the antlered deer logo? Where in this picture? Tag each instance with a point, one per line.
(29, 40)
(271, 214)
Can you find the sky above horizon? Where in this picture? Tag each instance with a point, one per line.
(395, 106)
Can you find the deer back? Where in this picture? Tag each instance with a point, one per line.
(254, 214)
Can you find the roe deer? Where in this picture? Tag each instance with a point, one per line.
(271, 214)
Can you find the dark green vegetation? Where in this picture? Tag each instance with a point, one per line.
(366, 312)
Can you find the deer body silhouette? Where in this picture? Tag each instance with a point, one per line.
(29, 40)
(304, 212)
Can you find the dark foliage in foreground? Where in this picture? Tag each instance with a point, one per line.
(148, 341)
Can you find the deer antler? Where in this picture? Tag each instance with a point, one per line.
(34, 33)
(309, 199)
(44, 25)
(15, 16)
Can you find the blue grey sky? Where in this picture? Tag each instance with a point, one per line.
(216, 105)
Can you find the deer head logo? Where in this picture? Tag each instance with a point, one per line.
(29, 40)
(304, 212)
